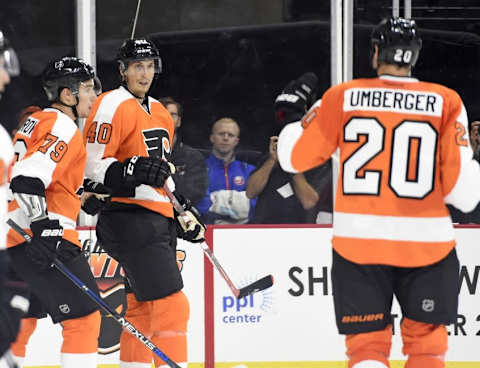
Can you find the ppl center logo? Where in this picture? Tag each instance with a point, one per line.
(251, 309)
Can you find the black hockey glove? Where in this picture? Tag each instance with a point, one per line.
(94, 197)
(13, 305)
(146, 170)
(296, 98)
(47, 235)
(189, 226)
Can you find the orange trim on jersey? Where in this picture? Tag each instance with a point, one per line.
(389, 252)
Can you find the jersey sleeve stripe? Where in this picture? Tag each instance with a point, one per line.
(289, 136)
(147, 193)
(423, 229)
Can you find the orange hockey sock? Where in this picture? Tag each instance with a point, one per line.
(373, 345)
(27, 327)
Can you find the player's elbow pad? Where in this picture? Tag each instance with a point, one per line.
(27, 185)
(30, 196)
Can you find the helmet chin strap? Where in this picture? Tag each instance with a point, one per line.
(73, 107)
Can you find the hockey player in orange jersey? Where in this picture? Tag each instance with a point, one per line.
(10, 312)
(46, 182)
(128, 136)
(404, 154)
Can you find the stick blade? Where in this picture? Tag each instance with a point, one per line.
(259, 285)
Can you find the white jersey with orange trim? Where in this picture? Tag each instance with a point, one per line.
(404, 154)
(118, 128)
(49, 146)
(6, 160)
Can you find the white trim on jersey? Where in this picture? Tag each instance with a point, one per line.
(419, 229)
(287, 139)
(395, 78)
(147, 193)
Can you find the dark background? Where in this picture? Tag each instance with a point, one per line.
(231, 58)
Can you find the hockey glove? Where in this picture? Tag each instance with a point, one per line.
(146, 170)
(296, 98)
(94, 197)
(13, 305)
(47, 236)
(189, 226)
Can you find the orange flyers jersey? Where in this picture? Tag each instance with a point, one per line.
(404, 154)
(6, 159)
(49, 146)
(118, 128)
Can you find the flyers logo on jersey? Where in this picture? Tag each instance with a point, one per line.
(157, 142)
(28, 126)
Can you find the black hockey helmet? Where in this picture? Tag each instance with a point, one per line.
(7, 54)
(67, 72)
(398, 41)
(136, 49)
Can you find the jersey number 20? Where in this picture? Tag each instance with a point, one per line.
(405, 183)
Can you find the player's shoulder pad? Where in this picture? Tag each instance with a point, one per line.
(62, 126)
(110, 102)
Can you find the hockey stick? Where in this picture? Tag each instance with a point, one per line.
(259, 285)
(135, 19)
(127, 326)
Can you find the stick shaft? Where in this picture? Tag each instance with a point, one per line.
(135, 19)
(206, 249)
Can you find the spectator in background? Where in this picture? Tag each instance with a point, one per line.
(285, 198)
(475, 139)
(473, 217)
(191, 172)
(226, 201)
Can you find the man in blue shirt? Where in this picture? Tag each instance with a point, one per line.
(226, 201)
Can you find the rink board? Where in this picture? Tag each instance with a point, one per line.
(289, 325)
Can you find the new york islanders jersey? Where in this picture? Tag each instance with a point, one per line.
(404, 154)
(117, 128)
(49, 146)
(6, 160)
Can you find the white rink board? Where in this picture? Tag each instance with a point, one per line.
(302, 327)
(284, 323)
